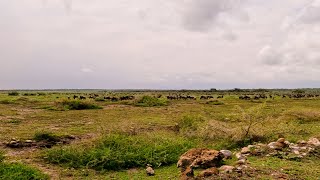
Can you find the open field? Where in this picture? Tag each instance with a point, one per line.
(103, 138)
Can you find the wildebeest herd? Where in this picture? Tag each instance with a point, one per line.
(189, 97)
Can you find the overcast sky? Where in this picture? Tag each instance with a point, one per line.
(173, 44)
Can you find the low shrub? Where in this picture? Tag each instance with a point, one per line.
(7, 101)
(149, 101)
(215, 102)
(76, 105)
(13, 93)
(120, 151)
(46, 136)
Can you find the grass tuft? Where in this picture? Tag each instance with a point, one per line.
(46, 136)
(16, 171)
(120, 151)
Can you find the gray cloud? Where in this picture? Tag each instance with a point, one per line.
(200, 15)
(158, 44)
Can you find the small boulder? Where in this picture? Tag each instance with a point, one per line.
(240, 156)
(226, 169)
(203, 158)
(187, 174)
(241, 162)
(150, 170)
(227, 154)
(302, 143)
(245, 150)
(314, 142)
(276, 145)
(281, 140)
(14, 144)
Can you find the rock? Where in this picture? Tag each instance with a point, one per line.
(314, 142)
(14, 144)
(203, 158)
(296, 152)
(281, 140)
(245, 150)
(240, 156)
(226, 168)
(227, 154)
(302, 143)
(187, 174)
(150, 170)
(287, 143)
(28, 141)
(208, 172)
(241, 162)
(276, 145)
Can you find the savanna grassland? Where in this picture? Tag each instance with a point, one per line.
(100, 138)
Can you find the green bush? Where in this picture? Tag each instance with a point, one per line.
(76, 105)
(148, 101)
(14, 93)
(119, 151)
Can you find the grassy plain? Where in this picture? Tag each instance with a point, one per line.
(116, 140)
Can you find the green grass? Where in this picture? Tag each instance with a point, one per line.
(16, 171)
(120, 151)
(148, 101)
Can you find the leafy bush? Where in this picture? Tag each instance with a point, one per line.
(13, 93)
(119, 151)
(76, 105)
(148, 101)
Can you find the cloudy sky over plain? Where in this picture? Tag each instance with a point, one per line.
(167, 44)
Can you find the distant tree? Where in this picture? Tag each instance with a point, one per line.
(14, 93)
(213, 89)
(237, 90)
(298, 91)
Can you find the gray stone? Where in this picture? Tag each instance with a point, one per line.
(227, 154)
